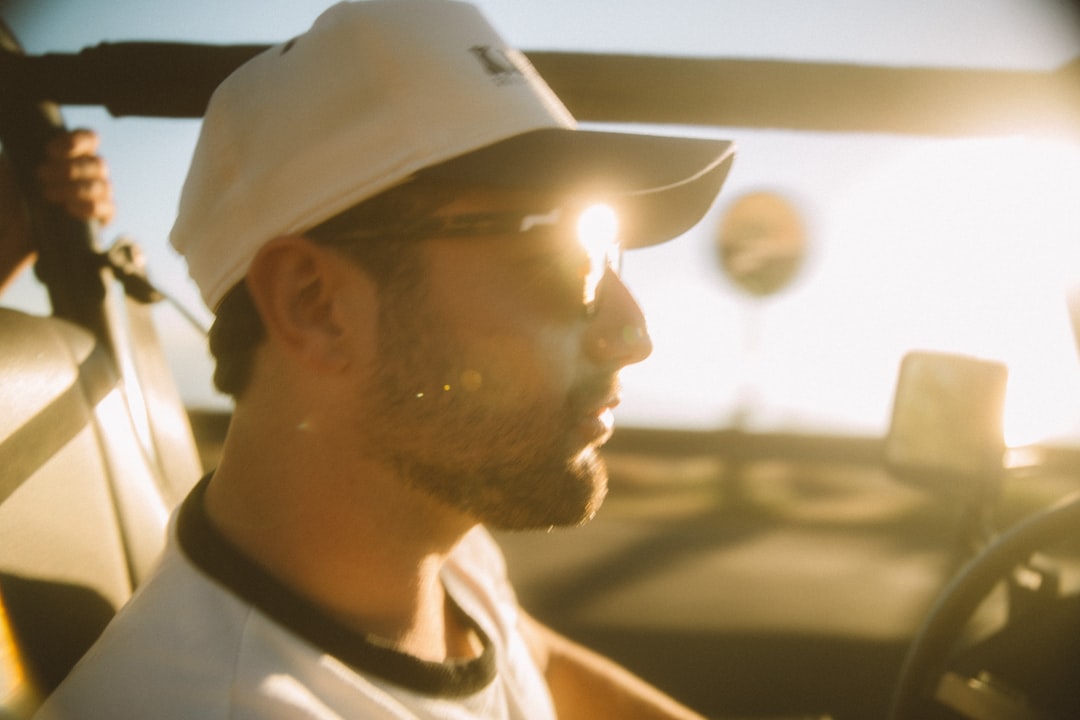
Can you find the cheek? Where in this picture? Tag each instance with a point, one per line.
(502, 344)
(508, 365)
(357, 320)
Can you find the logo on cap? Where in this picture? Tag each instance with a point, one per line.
(504, 66)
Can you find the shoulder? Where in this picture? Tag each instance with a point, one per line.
(142, 665)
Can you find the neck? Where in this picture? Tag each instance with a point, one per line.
(349, 535)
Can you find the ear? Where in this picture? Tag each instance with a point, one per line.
(299, 289)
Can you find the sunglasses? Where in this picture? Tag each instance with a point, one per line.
(578, 265)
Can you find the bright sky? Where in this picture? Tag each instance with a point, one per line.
(965, 246)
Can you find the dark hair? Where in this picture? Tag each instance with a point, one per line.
(372, 234)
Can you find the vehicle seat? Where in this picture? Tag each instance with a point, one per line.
(82, 507)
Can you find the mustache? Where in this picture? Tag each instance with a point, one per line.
(593, 393)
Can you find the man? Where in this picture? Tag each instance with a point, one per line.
(384, 214)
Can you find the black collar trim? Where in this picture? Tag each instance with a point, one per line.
(213, 554)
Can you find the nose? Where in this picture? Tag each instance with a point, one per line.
(617, 335)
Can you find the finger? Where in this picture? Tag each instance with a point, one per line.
(56, 171)
(86, 209)
(72, 143)
(92, 189)
(100, 210)
(86, 200)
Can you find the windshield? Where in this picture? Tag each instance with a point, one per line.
(964, 244)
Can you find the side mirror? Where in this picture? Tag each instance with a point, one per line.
(761, 243)
(947, 432)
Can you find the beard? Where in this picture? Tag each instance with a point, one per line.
(475, 429)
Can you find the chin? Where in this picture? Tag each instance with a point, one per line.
(586, 488)
(568, 498)
(594, 473)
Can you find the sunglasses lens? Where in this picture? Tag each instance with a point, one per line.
(597, 232)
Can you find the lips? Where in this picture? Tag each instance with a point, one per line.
(597, 425)
(591, 408)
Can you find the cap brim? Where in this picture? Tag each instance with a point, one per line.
(662, 185)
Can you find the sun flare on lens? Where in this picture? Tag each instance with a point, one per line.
(598, 233)
(598, 228)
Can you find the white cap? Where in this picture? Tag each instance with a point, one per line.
(381, 91)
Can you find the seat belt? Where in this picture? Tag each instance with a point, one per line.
(152, 395)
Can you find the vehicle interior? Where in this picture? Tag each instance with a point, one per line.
(753, 561)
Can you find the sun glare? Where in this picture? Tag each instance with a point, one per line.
(598, 233)
(963, 246)
(976, 243)
(598, 227)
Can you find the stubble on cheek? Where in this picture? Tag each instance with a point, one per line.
(484, 417)
(498, 444)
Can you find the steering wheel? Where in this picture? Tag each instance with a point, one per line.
(927, 659)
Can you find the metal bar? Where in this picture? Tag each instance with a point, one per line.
(176, 80)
